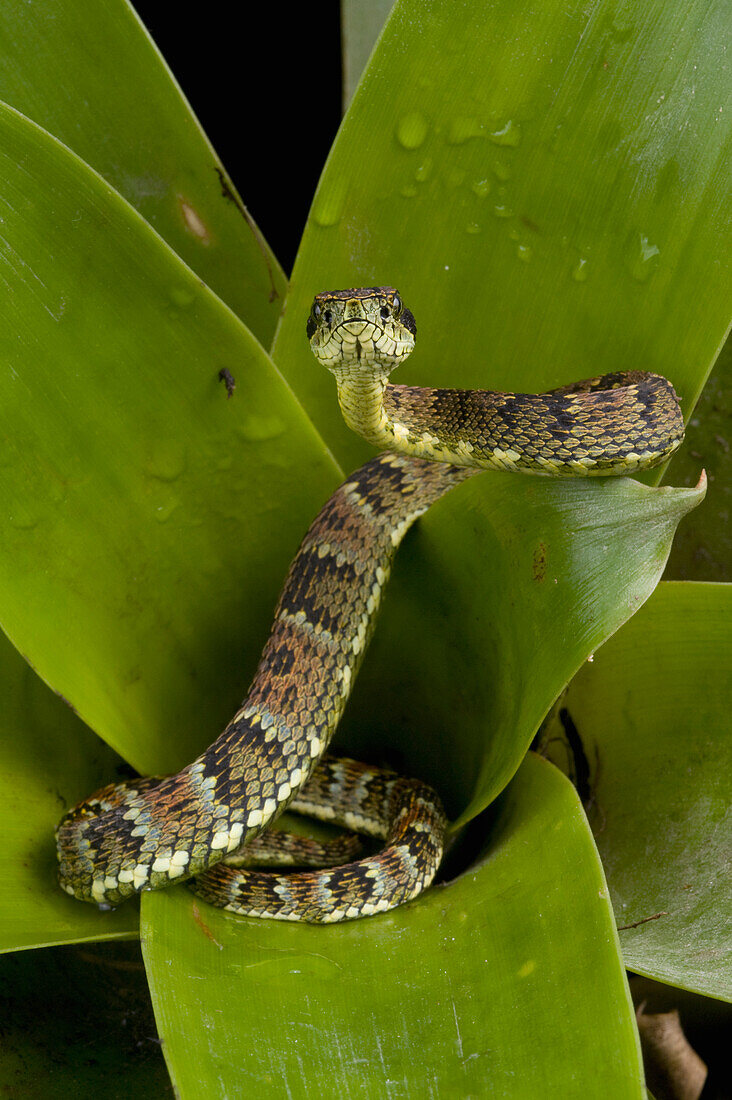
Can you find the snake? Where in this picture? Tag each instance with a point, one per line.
(209, 824)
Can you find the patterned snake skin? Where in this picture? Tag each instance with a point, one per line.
(614, 424)
(151, 832)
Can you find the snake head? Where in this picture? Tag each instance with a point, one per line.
(360, 326)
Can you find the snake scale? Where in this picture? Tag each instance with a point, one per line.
(209, 822)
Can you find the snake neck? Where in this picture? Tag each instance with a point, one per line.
(383, 414)
(361, 398)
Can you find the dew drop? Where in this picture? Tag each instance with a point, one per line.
(472, 228)
(642, 257)
(23, 518)
(503, 211)
(621, 29)
(508, 134)
(579, 271)
(328, 205)
(424, 171)
(412, 130)
(255, 429)
(163, 511)
(462, 130)
(480, 188)
(167, 460)
(524, 253)
(181, 297)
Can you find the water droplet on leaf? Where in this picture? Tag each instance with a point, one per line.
(412, 130)
(164, 510)
(328, 205)
(424, 171)
(181, 297)
(642, 257)
(24, 518)
(255, 429)
(508, 134)
(621, 29)
(462, 130)
(480, 188)
(167, 460)
(579, 271)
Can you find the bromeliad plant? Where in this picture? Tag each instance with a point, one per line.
(547, 188)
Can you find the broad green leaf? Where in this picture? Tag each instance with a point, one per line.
(48, 761)
(547, 185)
(148, 520)
(499, 596)
(88, 73)
(479, 988)
(652, 715)
(78, 1022)
(702, 551)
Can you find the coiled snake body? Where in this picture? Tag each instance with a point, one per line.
(148, 833)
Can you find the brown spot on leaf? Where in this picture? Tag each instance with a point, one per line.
(529, 223)
(204, 927)
(539, 562)
(193, 221)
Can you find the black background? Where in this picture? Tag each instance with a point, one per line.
(265, 83)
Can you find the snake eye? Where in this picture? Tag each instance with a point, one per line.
(385, 312)
(397, 304)
(316, 310)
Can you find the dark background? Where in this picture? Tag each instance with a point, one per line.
(265, 83)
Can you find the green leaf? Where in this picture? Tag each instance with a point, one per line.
(702, 551)
(149, 520)
(479, 988)
(116, 418)
(547, 186)
(78, 1022)
(499, 596)
(91, 76)
(652, 713)
(48, 761)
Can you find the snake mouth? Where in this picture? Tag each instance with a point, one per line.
(355, 329)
